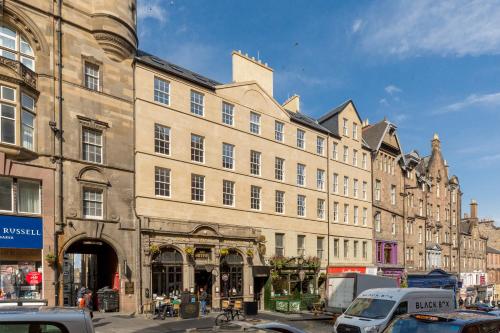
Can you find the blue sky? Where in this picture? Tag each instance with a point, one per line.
(428, 66)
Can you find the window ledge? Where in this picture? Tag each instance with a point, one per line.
(17, 152)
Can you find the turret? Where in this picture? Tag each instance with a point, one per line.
(114, 27)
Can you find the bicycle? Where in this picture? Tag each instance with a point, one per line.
(230, 313)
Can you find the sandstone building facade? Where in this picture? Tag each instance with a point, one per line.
(231, 181)
(66, 145)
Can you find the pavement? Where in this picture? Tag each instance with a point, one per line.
(126, 323)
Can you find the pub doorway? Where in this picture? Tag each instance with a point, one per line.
(89, 263)
(203, 279)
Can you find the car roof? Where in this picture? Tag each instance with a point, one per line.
(46, 313)
(400, 292)
(458, 317)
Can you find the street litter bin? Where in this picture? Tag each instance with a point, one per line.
(108, 300)
(250, 308)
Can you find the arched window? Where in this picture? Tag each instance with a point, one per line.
(167, 273)
(16, 47)
(231, 271)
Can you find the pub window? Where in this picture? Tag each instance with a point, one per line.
(231, 275)
(167, 273)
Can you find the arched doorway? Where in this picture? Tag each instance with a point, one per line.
(231, 274)
(89, 263)
(167, 272)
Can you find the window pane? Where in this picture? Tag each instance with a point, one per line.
(162, 182)
(28, 130)
(27, 102)
(161, 91)
(28, 63)
(197, 103)
(7, 129)
(25, 47)
(92, 145)
(8, 42)
(8, 94)
(92, 203)
(28, 328)
(5, 194)
(162, 139)
(28, 197)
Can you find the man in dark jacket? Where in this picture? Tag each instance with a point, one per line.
(203, 301)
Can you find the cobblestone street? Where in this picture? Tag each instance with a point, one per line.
(115, 322)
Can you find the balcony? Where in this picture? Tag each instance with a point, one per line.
(22, 74)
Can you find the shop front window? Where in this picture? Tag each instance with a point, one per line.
(20, 279)
(167, 273)
(231, 275)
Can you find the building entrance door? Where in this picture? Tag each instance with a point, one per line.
(203, 279)
(88, 263)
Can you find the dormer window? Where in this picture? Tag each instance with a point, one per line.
(16, 47)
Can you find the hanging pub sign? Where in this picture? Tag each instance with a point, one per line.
(20, 232)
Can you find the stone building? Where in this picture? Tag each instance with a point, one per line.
(473, 244)
(493, 270)
(66, 146)
(232, 181)
(388, 167)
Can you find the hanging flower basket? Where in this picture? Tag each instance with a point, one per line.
(50, 258)
(224, 251)
(250, 253)
(154, 249)
(189, 251)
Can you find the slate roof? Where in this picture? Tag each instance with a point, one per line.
(174, 69)
(307, 121)
(375, 133)
(334, 111)
(492, 250)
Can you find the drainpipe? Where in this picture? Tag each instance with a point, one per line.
(58, 133)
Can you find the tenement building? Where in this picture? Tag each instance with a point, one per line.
(432, 209)
(473, 253)
(66, 149)
(234, 187)
(388, 167)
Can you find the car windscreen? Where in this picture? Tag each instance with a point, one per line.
(405, 325)
(370, 308)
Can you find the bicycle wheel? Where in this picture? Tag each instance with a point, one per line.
(221, 319)
(240, 316)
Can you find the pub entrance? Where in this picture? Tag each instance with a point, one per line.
(89, 263)
(203, 279)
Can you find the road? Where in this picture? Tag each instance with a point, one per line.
(111, 323)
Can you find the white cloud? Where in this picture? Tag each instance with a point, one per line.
(410, 28)
(474, 100)
(356, 25)
(490, 158)
(392, 89)
(152, 9)
(383, 101)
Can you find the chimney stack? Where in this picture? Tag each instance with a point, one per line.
(246, 68)
(292, 104)
(473, 209)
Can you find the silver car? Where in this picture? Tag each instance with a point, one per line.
(44, 320)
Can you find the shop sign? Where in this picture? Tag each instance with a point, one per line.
(34, 278)
(346, 269)
(19, 232)
(202, 254)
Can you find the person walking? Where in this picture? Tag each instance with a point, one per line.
(89, 303)
(203, 301)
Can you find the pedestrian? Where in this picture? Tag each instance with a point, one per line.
(185, 297)
(89, 303)
(79, 296)
(203, 301)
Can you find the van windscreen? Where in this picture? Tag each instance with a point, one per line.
(370, 308)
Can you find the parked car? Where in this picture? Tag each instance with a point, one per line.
(450, 322)
(374, 309)
(45, 320)
(480, 307)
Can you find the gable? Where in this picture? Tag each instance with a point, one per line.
(252, 96)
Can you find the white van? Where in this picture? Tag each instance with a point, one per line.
(374, 309)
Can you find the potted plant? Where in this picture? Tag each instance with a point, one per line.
(189, 250)
(154, 249)
(50, 258)
(224, 251)
(250, 253)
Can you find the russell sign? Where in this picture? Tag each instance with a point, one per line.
(18, 232)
